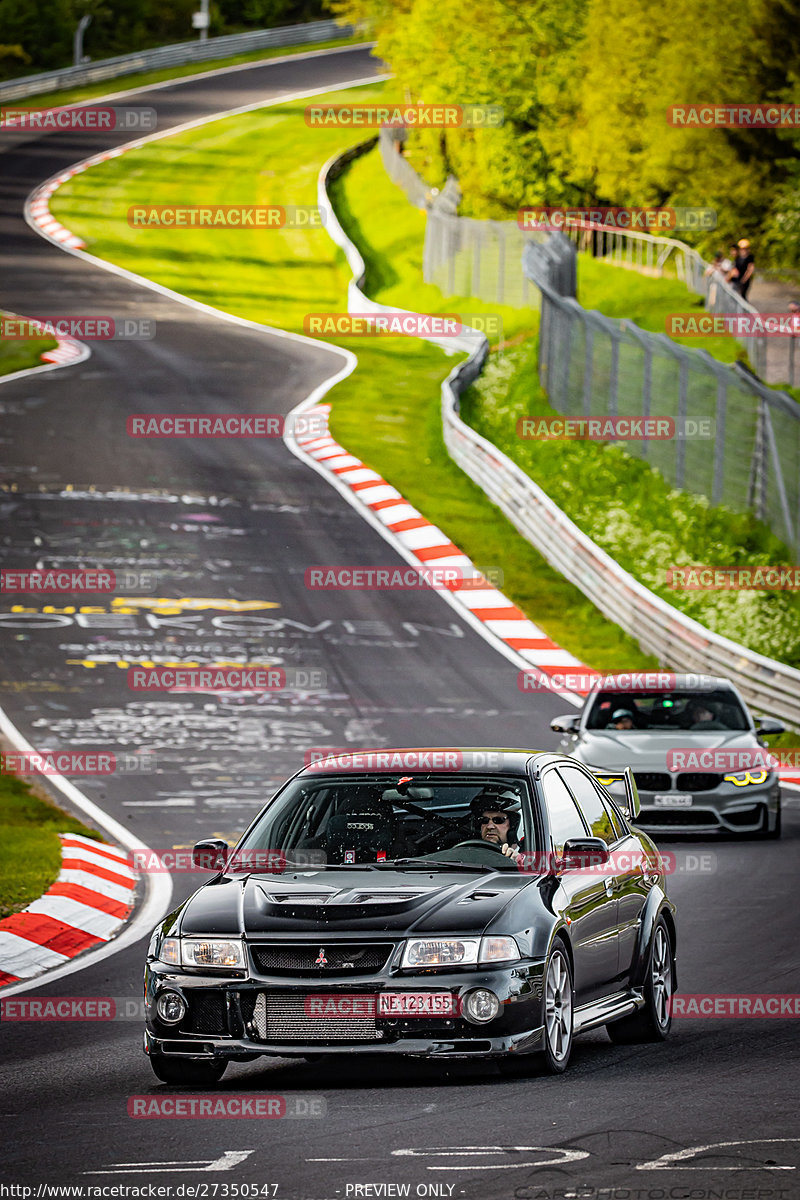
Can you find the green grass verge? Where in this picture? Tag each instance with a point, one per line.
(19, 355)
(29, 829)
(278, 276)
(137, 79)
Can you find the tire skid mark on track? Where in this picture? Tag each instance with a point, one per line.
(69, 918)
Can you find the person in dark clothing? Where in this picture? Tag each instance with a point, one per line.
(741, 275)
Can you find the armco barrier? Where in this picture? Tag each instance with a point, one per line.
(172, 56)
(679, 642)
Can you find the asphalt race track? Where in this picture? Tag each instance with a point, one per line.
(236, 521)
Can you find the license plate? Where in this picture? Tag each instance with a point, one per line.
(416, 1004)
(673, 800)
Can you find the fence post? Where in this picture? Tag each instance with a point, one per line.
(647, 381)
(717, 485)
(683, 406)
(613, 378)
(587, 370)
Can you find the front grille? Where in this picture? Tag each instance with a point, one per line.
(281, 1017)
(677, 816)
(652, 781)
(356, 958)
(698, 781)
(207, 1013)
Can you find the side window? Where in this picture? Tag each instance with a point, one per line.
(591, 805)
(565, 820)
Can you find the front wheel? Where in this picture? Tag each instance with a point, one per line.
(171, 1069)
(652, 1022)
(558, 1006)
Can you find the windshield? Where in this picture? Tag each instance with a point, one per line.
(379, 819)
(670, 712)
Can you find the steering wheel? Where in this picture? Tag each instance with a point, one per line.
(480, 842)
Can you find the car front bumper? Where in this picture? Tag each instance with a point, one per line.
(726, 809)
(226, 1017)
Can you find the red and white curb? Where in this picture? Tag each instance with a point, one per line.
(430, 547)
(44, 220)
(89, 901)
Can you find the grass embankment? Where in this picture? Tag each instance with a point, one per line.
(19, 355)
(29, 829)
(141, 79)
(387, 412)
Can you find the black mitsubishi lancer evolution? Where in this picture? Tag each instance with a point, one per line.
(418, 903)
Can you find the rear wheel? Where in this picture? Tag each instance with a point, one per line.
(652, 1022)
(171, 1069)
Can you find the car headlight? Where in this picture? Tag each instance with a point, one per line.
(744, 778)
(458, 952)
(498, 949)
(219, 953)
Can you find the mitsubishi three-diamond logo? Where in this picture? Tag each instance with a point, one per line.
(321, 959)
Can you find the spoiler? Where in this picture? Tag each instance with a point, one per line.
(631, 805)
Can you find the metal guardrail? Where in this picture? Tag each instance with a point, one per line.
(172, 56)
(678, 641)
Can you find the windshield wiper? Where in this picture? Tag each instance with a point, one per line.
(423, 863)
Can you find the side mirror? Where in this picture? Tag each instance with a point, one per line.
(210, 855)
(768, 725)
(568, 724)
(585, 852)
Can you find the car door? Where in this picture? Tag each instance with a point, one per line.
(624, 879)
(589, 908)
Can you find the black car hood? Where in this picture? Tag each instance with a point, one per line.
(350, 902)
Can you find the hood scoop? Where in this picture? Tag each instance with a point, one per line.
(295, 897)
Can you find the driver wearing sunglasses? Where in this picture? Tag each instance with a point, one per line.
(497, 815)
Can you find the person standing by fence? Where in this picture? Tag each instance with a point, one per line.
(741, 275)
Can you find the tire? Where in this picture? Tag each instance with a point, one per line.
(652, 1022)
(171, 1069)
(558, 1004)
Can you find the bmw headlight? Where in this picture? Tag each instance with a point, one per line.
(746, 778)
(217, 953)
(458, 952)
